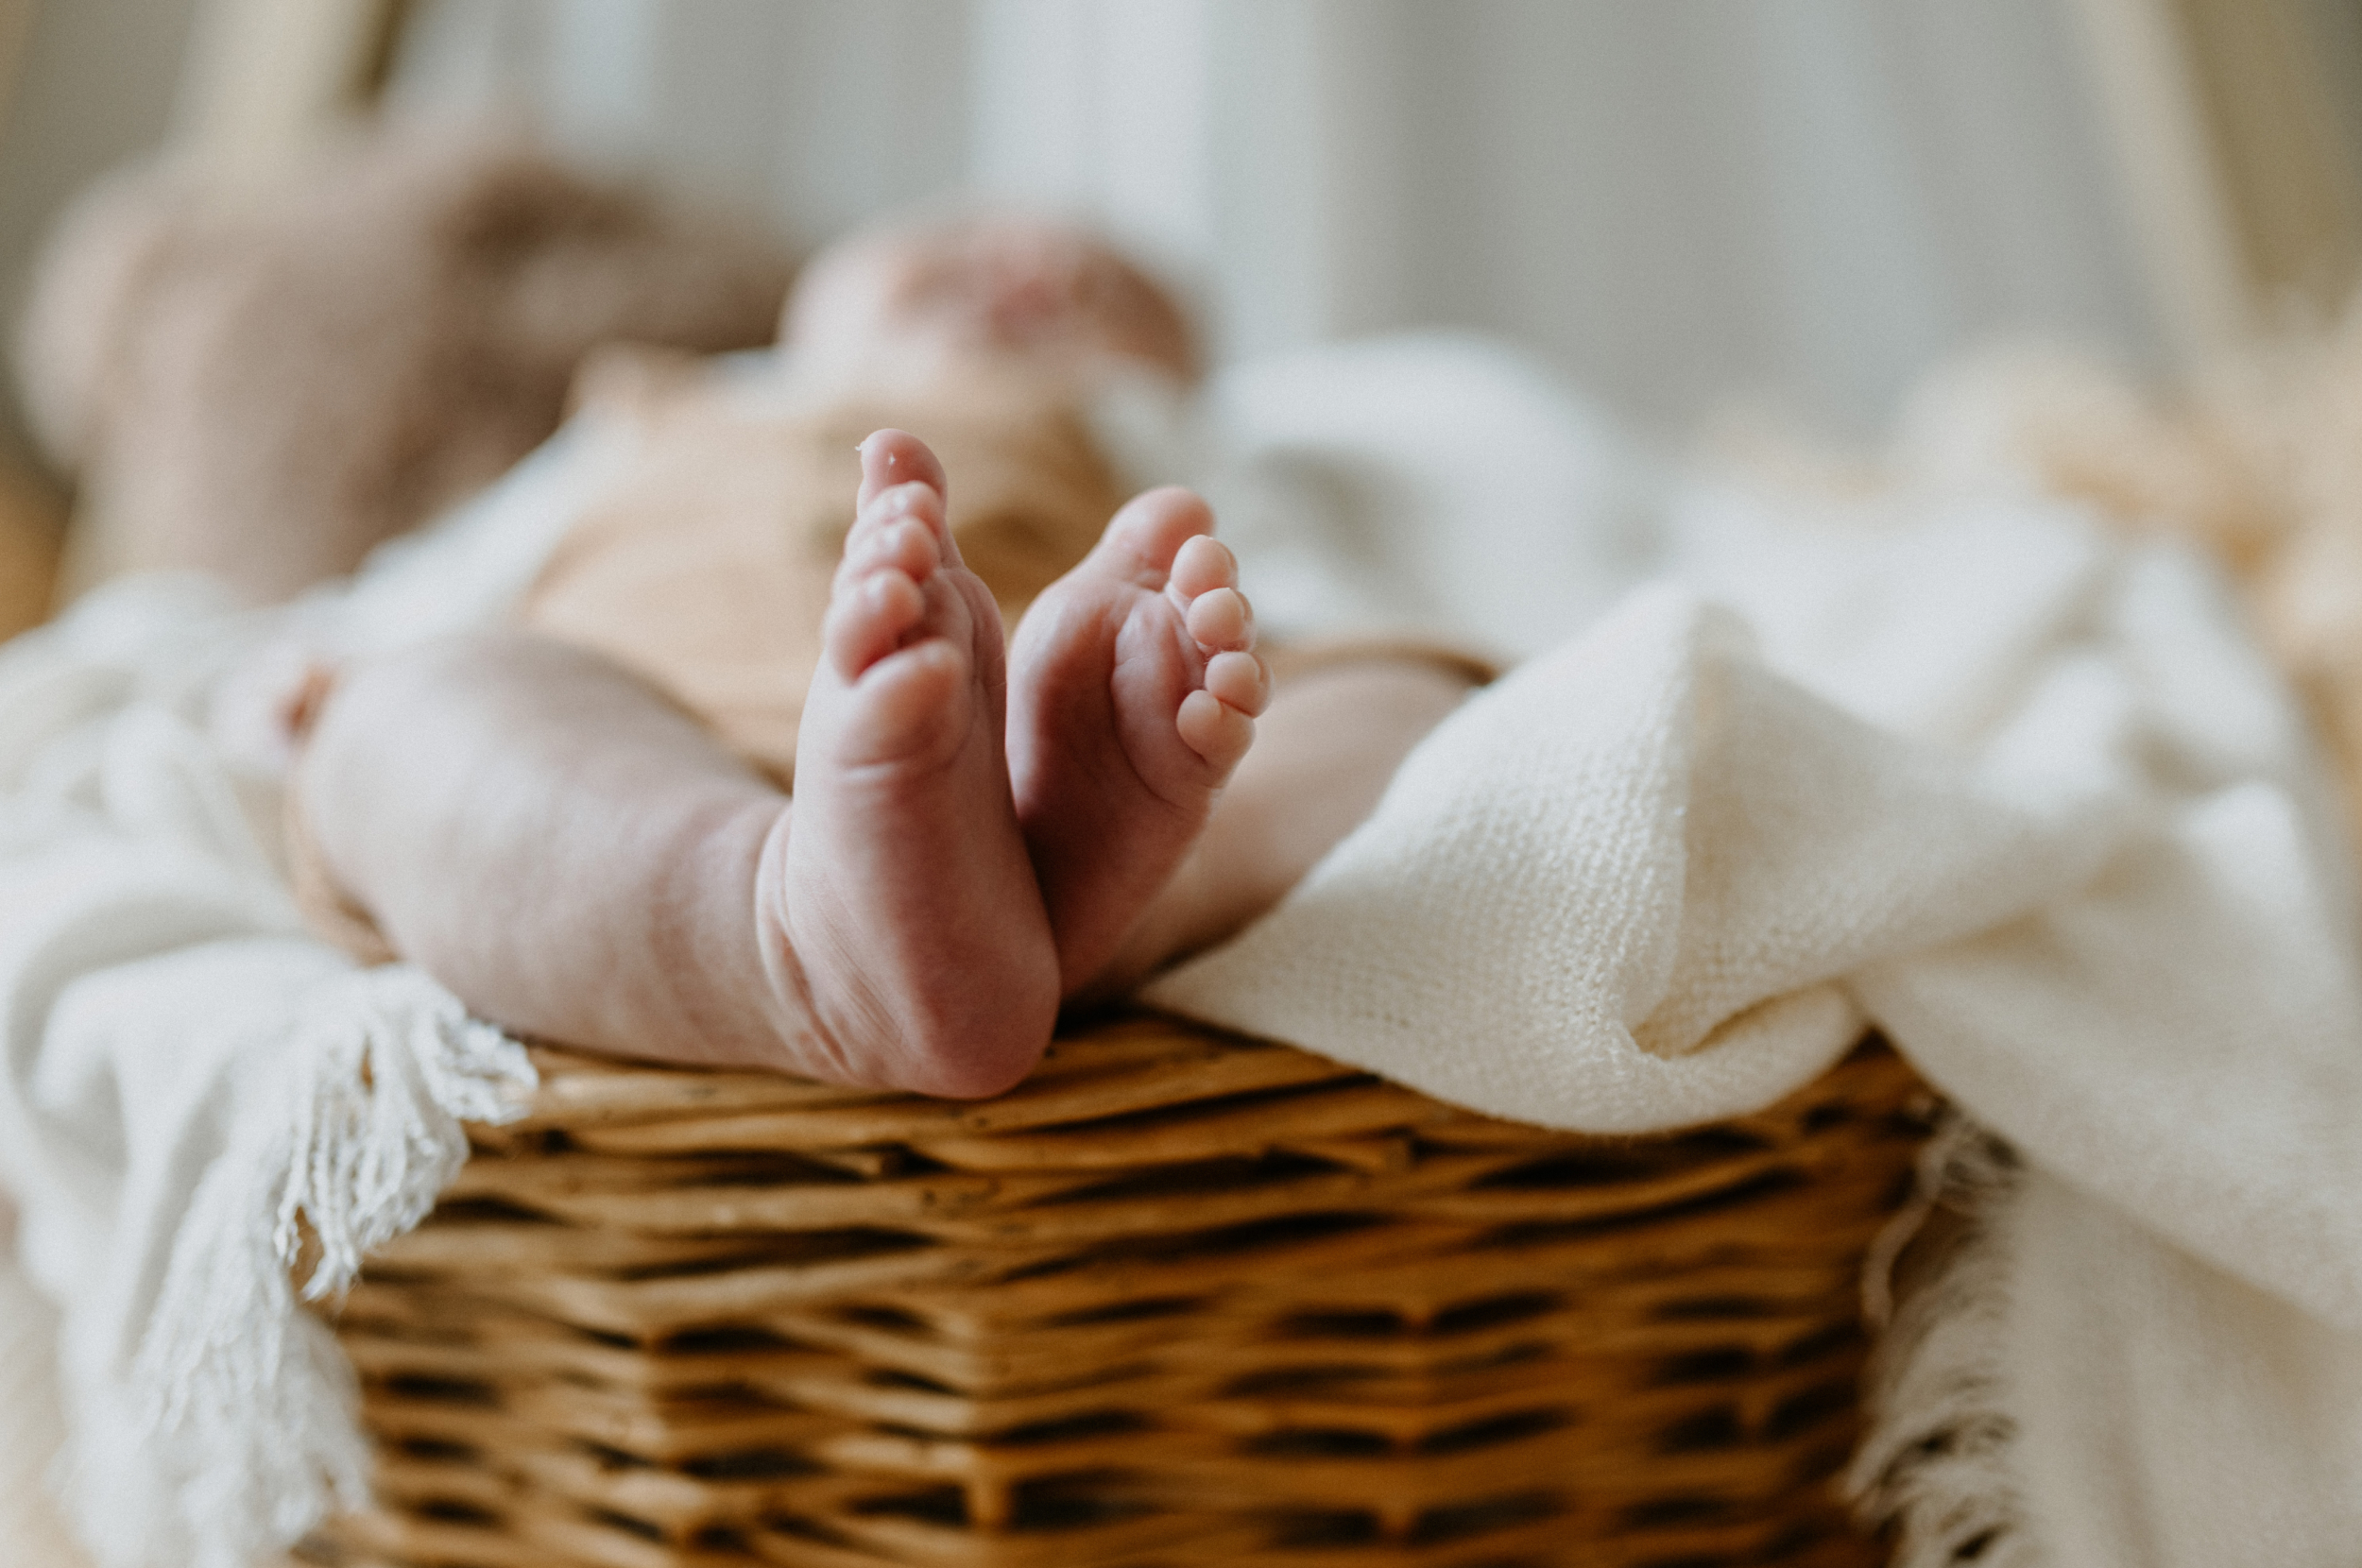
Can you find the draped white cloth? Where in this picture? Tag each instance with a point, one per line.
(2025, 797)
(189, 1083)
(33, 1427)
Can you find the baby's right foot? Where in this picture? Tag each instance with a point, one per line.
(898, 898)
(1134, 688)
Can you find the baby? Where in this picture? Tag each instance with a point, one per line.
(588, 833)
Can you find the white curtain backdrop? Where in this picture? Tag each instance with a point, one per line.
(1680, 201)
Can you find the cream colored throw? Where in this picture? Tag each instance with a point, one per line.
(1963, 765)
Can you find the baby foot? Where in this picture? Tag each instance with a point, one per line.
(901, 891)
(1133, 693)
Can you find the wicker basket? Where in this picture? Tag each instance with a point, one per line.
(1181, 1299)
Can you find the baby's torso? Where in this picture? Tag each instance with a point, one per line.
(706, 571)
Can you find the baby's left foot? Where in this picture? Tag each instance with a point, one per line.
(1133, 692)
(901, 888)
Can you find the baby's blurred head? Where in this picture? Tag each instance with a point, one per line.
(1002, 284)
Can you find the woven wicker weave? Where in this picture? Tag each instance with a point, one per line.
(1181, 1299)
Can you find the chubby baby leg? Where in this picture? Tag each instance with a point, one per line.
(579, 860)
(554, 840)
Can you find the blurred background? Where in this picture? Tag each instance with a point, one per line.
(1684, 203)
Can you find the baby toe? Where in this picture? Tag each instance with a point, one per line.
(1153, 529)
(898, 544)
(894, 457)
(868, 620)
(907, 707)
(1213, 729)
(1222, 621)
(919, 505)
(1239, 680)
(1202, 565)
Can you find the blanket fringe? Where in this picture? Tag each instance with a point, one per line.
(250, 1406)
(1935, 1471)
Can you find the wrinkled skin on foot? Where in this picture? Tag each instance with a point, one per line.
(973, 839)
(903, 904)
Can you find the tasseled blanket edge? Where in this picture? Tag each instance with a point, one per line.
(349, 1128)
(1935, 1472)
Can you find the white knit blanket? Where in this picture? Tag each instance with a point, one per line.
(1956, 765)
(191, 1086)
(2024, 797)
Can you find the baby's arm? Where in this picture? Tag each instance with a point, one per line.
(1324, 752)
(572, 855)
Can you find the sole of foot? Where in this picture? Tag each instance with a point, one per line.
(899, 885)
(1134, 688)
